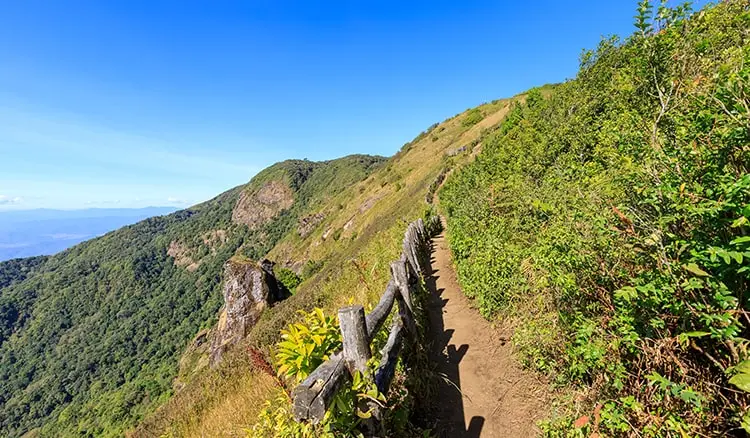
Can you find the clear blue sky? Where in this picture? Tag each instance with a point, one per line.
(134, 103)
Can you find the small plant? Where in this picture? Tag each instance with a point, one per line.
(473, 117)
(311, 268)
(303, 348)
(288, 278)
(306, 345)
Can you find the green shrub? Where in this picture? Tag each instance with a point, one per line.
(305, 346)
(620, 200)
(473, 116)
(288, 278)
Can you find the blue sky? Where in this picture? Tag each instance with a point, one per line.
(135, 103)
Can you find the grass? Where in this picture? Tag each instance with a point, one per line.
(355, 269)
(216, 402)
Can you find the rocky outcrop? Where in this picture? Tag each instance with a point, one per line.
(181, 255)
(369, 203)
(256, 208)
(308, 223)
(456, 151)
(215, 239)
(249, 289)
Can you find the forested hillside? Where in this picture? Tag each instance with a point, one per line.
(608, 218)
(90, 338)
(604, 220)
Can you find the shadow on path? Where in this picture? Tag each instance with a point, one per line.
(449, 403)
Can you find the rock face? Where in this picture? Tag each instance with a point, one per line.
(181, 255)
(256, 208)
(456, 151)
(249, 289)
(308, 223)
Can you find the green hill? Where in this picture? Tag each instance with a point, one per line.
(604, 219)
(91, 338)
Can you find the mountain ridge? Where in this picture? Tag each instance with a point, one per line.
(139, 303)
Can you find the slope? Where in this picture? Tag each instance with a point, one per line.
(91, 337)
(608, 222)
(341, 249)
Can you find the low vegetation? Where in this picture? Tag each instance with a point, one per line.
(608, 218)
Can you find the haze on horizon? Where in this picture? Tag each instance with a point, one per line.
(133, 104)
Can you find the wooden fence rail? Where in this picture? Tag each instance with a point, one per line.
(314, 395)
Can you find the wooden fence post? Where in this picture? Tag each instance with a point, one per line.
(356, 349)
(356, 353)
(400, 275)
(314, 395)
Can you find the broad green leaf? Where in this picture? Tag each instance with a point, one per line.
(743, 367)
(364, 415)
(696, 334)
(694, 269)
(745, 422)
(742, 381)
(739, 222)
(627, 293)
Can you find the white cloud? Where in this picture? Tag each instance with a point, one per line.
(10, 200)
(175, 200)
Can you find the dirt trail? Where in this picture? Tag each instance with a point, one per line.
(496, 397)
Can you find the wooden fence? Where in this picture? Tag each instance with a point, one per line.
(315, 394)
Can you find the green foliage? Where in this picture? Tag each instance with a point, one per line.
(96, 332)
(432, 222)
(303, 348)
(15, 307)
(311, 268)
(15, 270)
(473, 116)
(619, 202)
(307, 344)
(85, 360)
(288, 278)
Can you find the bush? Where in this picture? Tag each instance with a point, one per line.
(620, 201)
(288, 278)
(473, 116)
(303, 348)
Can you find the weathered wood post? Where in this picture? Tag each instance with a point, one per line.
(387, 369)
(400, 276)
(356, 349)
(315, 394)
(409, 251)
(356, 353)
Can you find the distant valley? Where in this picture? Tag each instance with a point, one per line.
(27, 233)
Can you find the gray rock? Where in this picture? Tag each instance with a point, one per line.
(248, 290)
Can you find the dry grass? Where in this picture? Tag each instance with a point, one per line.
(217, 403)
